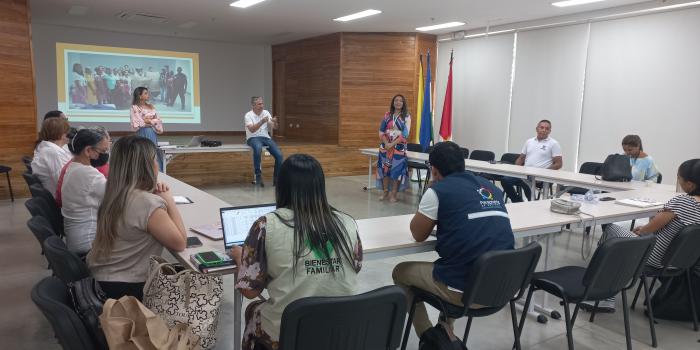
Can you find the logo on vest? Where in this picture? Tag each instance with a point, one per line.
(322, 264)
(487, 199)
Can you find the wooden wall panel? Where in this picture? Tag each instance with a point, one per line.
(374, 68)
(229, 168)
(309, 71)
(17, 93)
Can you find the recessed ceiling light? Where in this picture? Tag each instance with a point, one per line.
(440, 26)
(245, 3)
(568, 3)
(364, 13)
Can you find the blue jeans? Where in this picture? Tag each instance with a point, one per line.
(150, 134)
(257, 143)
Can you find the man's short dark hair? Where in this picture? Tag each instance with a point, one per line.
(545, 121)
(52, 114)
(447, 158)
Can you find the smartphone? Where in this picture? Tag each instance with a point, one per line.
(209, 257)
(605, 199)
(193, 242)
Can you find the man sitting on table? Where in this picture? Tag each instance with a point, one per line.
(541, 151)
(471, 220)
(257, 122)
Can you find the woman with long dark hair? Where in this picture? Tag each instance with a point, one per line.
(136, 219)
(304, 248)
(145, 119)
(643, 166)
(392, 166)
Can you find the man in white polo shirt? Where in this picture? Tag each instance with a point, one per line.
(541, 151)
(257, 123)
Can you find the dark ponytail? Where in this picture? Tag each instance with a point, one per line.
(690, 171)
(88, 137)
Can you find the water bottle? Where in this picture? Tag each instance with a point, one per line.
(589, 196)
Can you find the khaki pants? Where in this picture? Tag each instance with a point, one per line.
(420, 274)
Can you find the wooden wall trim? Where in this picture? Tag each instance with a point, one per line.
(185, 133)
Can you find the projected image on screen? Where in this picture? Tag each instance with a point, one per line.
(96, 83)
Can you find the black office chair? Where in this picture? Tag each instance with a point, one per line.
(6, 169)
(66, 265)
(514, 269)
(509, 158)
(419, 166)
(591, 168)
(27, 160)
(30, 178)
(41, 228)
(51, 297)
(680, 258)
(38, 190)
(465, 152)
(613, 269)
(40, 206)
(482, 155)
(372, 320)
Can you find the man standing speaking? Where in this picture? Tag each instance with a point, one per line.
(257, 123)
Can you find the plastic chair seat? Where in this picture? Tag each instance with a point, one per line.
(453, 311)
(565, 282)
(5, 169)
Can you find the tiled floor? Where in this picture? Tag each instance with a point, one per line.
(22, 326)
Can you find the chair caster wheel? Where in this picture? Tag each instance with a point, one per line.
(542, 319)
(556, 315)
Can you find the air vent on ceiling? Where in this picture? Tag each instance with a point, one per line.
(142, 17)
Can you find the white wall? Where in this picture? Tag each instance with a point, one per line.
(637, 75)
(229, 73)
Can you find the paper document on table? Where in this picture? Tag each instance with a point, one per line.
(182, 200)
(212, 231)
(639, 202)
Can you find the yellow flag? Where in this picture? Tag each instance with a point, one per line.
(419, 104)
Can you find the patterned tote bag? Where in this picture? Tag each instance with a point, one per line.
(187, 296)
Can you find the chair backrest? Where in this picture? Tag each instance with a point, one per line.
(27, 160)
(684, 250)
(592, 168)
(65, 264)
(615, 265)
(30, 178)
(414, 147)
(465, 152)
(37, 190)
(51, 297)
(509, 158)
(478, 154)
(373, 320)
(514, 269)
(40, 206)
(41, 228)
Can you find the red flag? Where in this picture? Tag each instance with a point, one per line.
(446, 123)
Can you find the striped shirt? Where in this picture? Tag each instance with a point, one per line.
(687, 210)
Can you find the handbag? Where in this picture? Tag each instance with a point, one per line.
(129, 325)
(563, 206)
(187, 296)
(617, 168)
(88, 299)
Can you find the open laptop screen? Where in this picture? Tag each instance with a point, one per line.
(236, 221)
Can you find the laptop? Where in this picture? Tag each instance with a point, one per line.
(236, 222)
(195, 141)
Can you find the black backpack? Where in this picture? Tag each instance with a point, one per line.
(616, 168)
(436, 338)
(88, 299)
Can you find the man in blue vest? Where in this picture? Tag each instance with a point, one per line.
(471, 220)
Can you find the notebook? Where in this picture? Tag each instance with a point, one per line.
(236, 222)
(639, 202)
(212, 231)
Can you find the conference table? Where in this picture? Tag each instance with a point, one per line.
(390, 236)
(531, 174)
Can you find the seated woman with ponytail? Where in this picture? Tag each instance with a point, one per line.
(81, 187)
(304, 248)
(136, 219)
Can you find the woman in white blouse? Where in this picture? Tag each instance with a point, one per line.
(83, 187)
(49, 154)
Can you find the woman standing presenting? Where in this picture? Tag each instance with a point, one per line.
(392, 167)
(145, 119)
